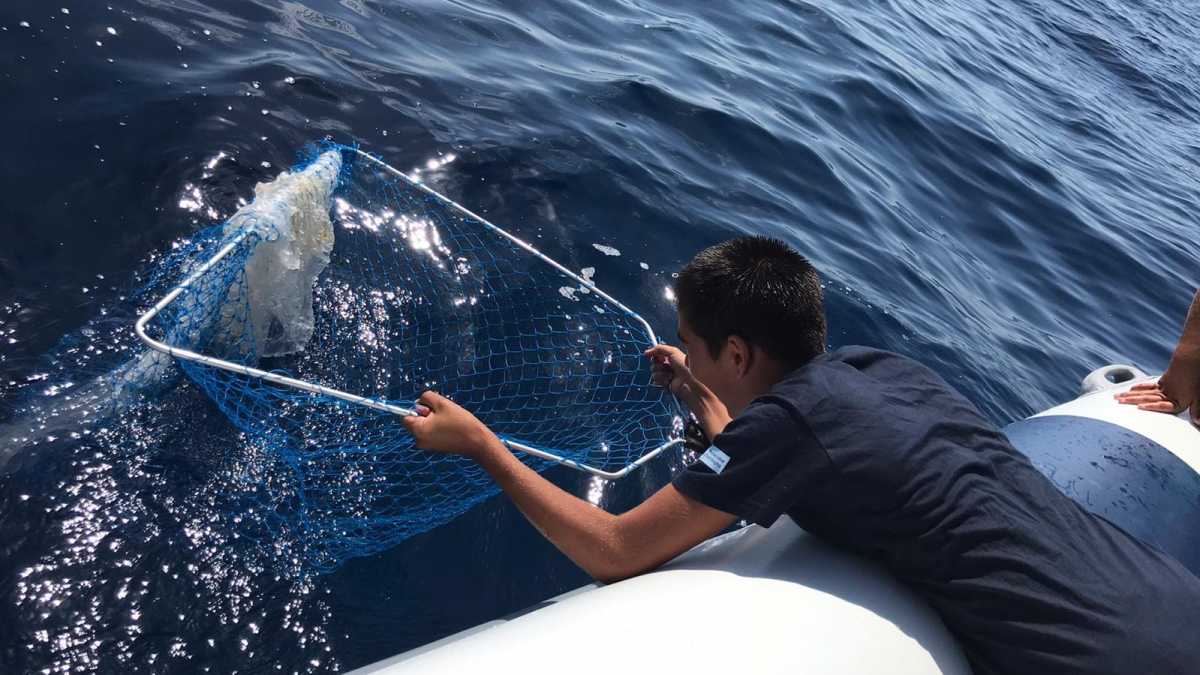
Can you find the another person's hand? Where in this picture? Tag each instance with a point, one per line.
(1174, 392)
(441, 425)
(1179, 388)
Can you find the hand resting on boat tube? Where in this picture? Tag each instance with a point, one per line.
(1179, 387)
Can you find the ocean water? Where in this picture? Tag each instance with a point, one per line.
(1006, 191)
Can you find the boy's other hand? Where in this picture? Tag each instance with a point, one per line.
(670, 370)
(441, 425)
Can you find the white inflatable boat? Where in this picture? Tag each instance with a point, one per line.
(779, 601)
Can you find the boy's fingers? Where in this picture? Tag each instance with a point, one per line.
(432, 400)
(660, 350)
(1144, 386)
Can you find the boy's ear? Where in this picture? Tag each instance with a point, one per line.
(741, 354)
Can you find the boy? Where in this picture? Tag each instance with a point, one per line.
(874, 453)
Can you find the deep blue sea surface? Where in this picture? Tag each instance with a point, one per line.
(1004, 190)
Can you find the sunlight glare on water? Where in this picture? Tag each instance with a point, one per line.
(1006, 191)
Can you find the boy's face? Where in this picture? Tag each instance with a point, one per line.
(718, 374)
(737, 375)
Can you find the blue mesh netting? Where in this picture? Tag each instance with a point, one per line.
(416, 294)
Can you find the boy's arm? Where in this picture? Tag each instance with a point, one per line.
(671, 371)
(607, 547)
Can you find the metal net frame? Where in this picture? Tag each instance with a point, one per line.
(419, 293)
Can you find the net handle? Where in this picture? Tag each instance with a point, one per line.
(139, 328)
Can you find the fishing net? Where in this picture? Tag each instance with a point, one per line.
(351, 280)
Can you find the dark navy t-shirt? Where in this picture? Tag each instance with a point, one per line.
(874, 452)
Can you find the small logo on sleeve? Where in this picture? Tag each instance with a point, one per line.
(714, 459)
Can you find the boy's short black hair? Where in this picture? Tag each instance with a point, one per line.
(759, 289)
